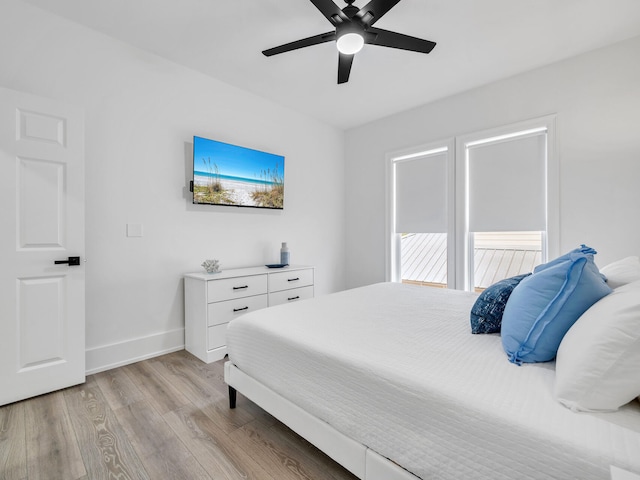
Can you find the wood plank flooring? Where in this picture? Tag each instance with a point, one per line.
(163, 418)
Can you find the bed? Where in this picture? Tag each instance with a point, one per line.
(387, 380)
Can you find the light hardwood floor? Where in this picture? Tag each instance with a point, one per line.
(163, 418)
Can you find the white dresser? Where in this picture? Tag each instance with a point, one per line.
(211, 301)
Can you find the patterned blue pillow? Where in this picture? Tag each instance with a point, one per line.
(486, 313)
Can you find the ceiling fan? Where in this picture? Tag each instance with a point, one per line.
(354, 28)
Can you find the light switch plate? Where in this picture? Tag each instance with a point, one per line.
(134, 230)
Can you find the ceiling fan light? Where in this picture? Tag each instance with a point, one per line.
(350, 43)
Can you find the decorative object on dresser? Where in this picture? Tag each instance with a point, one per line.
(211, 302)
(284, 254)
(211, 266)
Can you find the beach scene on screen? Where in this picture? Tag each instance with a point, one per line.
(225, 174)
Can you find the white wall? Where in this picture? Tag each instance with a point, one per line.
(596, 97)
(141, 113)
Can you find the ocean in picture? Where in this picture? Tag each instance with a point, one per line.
(203, 177)
(226, 174)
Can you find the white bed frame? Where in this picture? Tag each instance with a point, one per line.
(355, 457)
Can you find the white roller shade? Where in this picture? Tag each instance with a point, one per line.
(421, 194)
(507, 185)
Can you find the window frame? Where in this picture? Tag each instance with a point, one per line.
(392, 245)
(459, 239)
(464, 238)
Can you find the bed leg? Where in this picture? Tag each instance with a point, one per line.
(232, 397)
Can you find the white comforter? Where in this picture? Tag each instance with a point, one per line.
(396, 368)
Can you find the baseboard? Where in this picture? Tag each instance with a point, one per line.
(106, 357)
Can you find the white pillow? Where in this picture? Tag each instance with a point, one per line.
(622, 272)
(598, 362)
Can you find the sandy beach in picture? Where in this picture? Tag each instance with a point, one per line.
(239, 192)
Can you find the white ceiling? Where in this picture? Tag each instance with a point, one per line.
(479, 41)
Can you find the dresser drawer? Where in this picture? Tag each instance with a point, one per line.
(293, 279)
(216, 336)
(224, 312)
(289, 296)
(237, 287)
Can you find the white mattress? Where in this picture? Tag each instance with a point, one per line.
(396, 368)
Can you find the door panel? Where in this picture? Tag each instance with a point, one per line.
(42, 318)
(41, 324)
(41, 127)
(41, 221)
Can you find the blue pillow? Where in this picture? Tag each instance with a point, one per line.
(567, 257)
(545, 305)
(486, 313)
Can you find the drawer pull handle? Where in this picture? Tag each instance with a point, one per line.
(294, 298)
(293, 279)
(240, 309)
(241, 288)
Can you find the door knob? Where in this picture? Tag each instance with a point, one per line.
(71, 261)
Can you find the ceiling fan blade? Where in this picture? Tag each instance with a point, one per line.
(305, 42)
(374, 10)
(385, 38)
(331, 11)
(344, 67)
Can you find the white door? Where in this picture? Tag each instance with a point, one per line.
(42, 341)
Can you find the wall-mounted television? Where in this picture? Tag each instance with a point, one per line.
(225, 174)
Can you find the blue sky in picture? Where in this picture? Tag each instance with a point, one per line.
(234, 161)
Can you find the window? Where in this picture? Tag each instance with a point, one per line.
(471, 211)
(420, 216)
